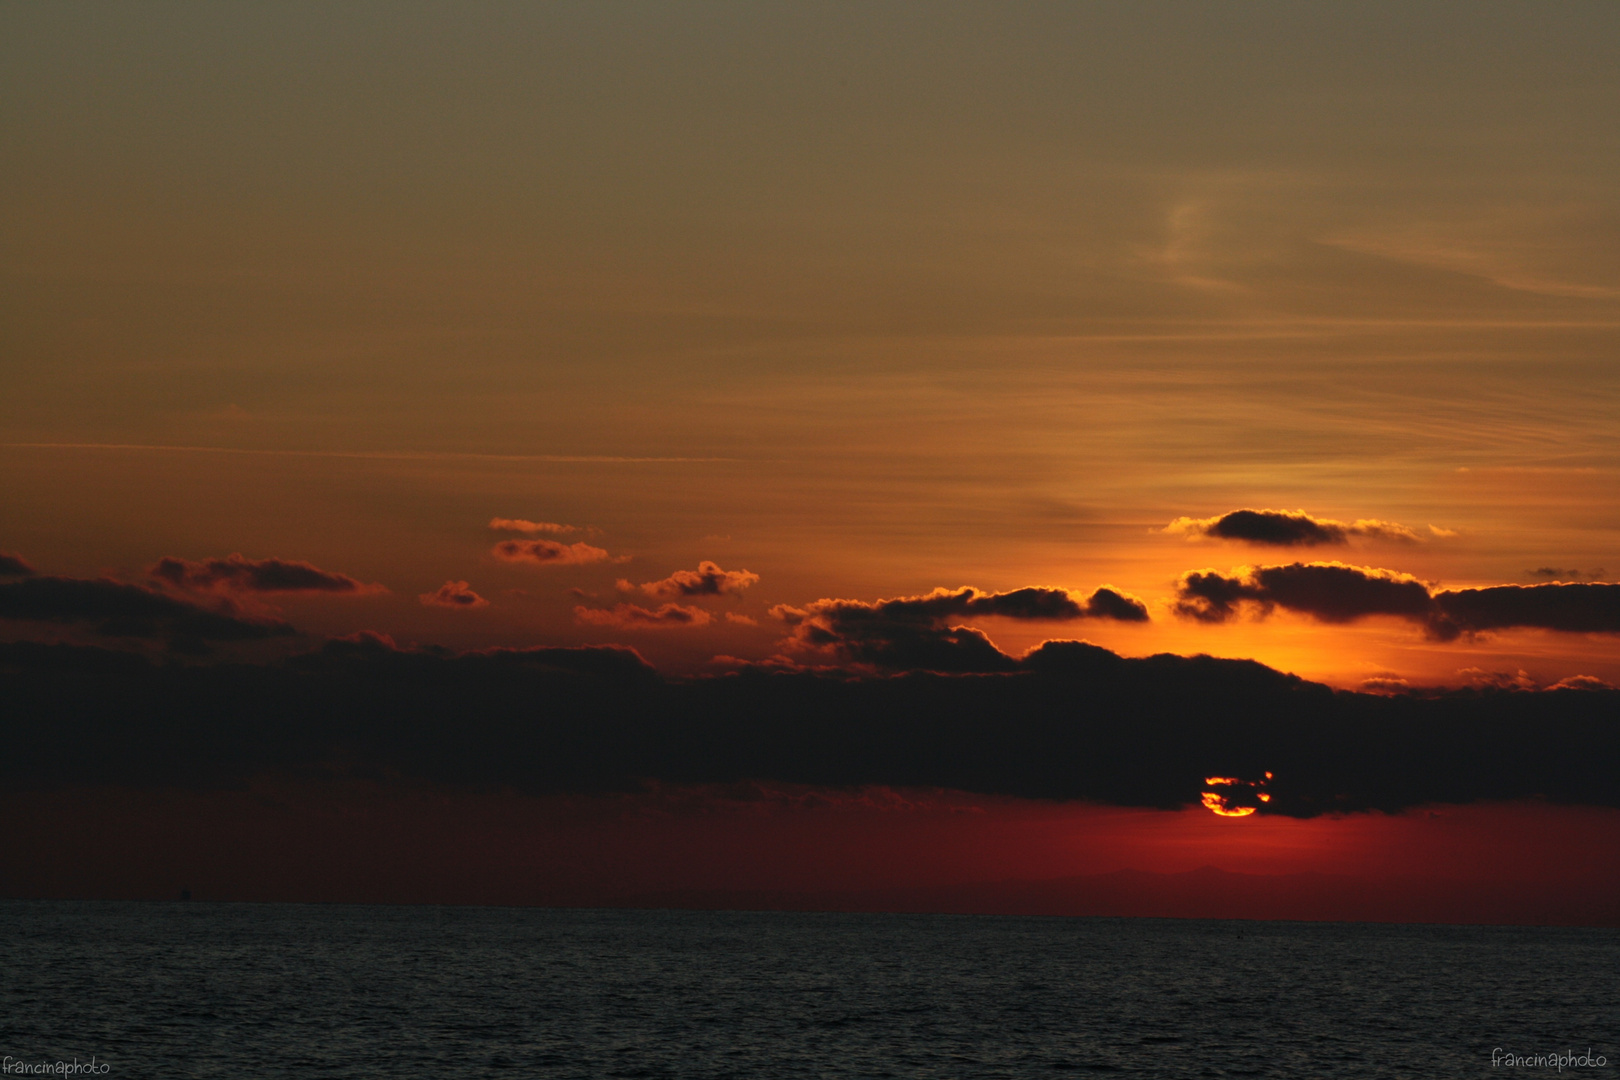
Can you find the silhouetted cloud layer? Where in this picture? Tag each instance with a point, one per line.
(707, 580)
(633, 616)
(1336, 593)
(14, 566)
(1288, 528)
(1069, 721)
(908, 633)
(238, 573)
(548, 552)
(115, 609)
(453, 594)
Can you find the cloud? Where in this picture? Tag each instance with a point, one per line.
(1289, 528)
(1555, 574)
(1336, 593)
(238, 573)
(1071, 721)
(1581, 682)
(14, 566)
(114, 609)
(519, 525)
(548, 553)
(1329, 591)
(1573, 608)
(453, 594)
(740, 620)
(1498, 680)
(634, 617)
(906, 633)
(707, 580)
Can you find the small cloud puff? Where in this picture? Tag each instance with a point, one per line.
(453, 594)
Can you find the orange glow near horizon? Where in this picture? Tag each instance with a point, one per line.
(359, 841)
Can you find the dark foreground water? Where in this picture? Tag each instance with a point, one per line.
(233, 990)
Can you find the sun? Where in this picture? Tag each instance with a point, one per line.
(1227, 804)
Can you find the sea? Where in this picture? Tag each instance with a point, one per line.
(148, 989)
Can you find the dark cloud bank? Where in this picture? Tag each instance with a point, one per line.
(1068, 721)
(14, 566)
(1335, 593)
(115, 609)
(238, 573)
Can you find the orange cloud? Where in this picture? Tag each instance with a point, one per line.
(519, 525)
(453, 594)
(707, 580)
(635, 617)
(547, 552)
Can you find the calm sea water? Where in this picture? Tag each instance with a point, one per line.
(233, 990)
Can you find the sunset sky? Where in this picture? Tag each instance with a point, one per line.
(702, 329)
